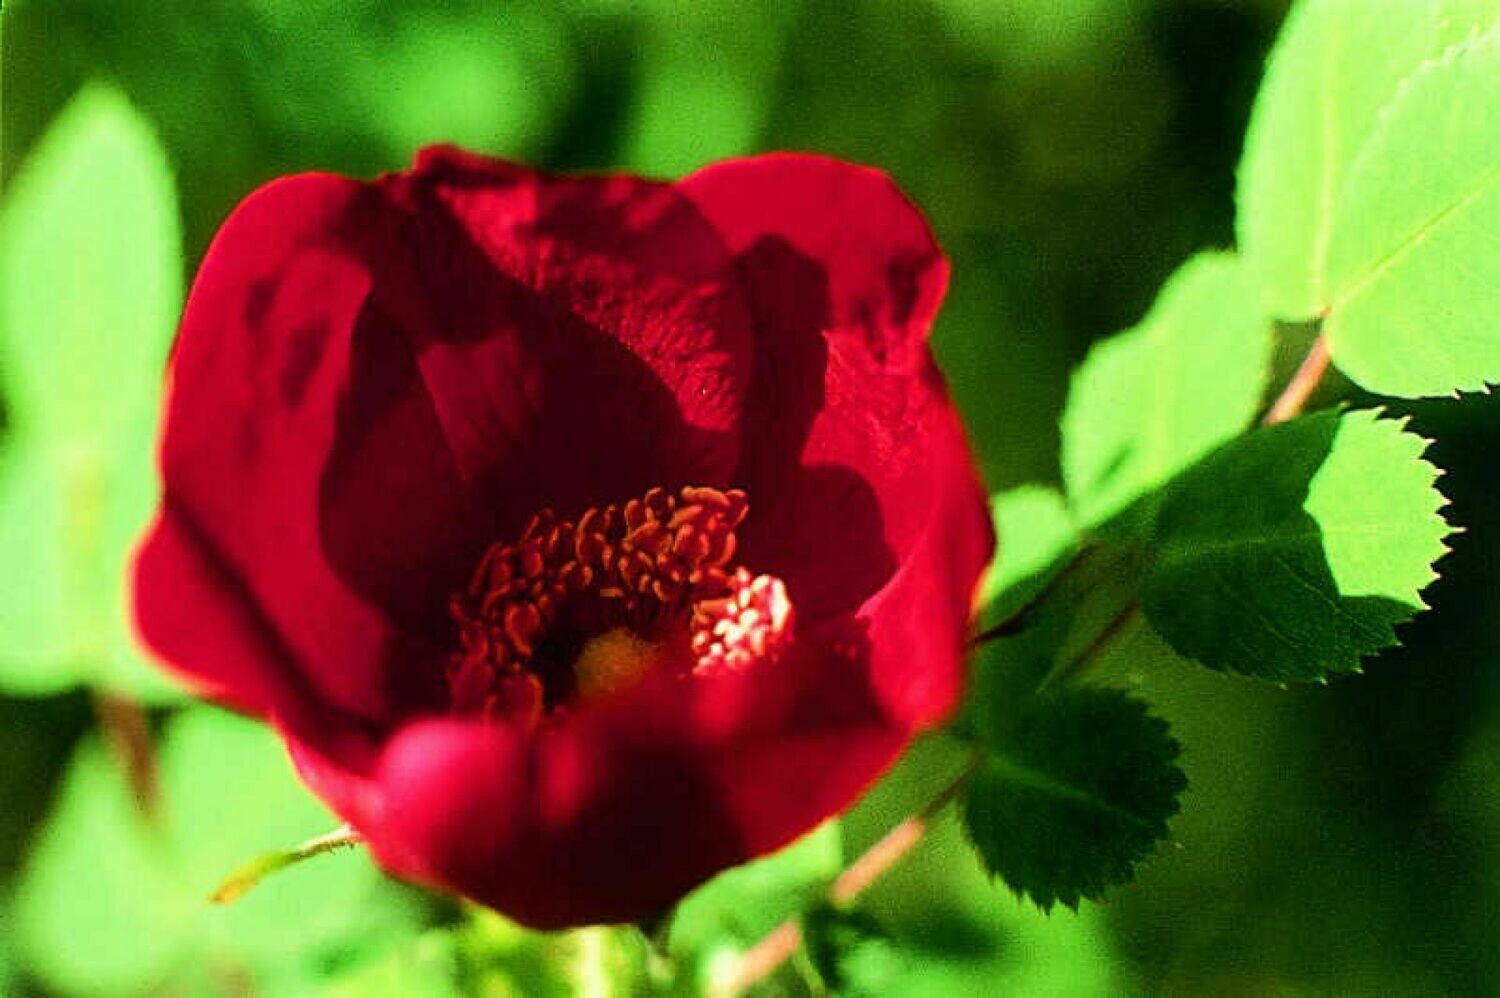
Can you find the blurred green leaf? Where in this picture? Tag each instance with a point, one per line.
(1291, 552)
(690, 110)
(90, 285)
(1149, 402)
(1334, 73)
(735, 909)
(1035, 533)
(851, 951)
(426, 967)
(1413, 266)
(499, 957)
(1071, 792)
(110, 904)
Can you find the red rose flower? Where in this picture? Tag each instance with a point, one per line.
(583, 536)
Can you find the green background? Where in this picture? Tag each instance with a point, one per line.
(1070, 153)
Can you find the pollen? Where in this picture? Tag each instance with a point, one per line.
(753, 623)
(575, 608)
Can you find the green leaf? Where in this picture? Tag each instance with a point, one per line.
(1336, 68)
(1413, 262)
(427, 967)
(1148, 402)
(90, 286)
(851, 951)
(1071, 793)
(110, 904)
(1291, 552)
(1036, 532)
(735, 909)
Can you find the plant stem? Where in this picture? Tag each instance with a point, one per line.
(129, 735)
(240, 881)
(782, 942)
(1298, 390)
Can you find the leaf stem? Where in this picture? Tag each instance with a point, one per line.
(1299, 389)
(238, 883)
(129, 734)
(782, 942)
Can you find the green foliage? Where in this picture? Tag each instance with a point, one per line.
(851, 952)
(1368, 192)
(1412, 265)
(1070, 792)
(1150, 401)
(90, 285)
(732, 911)
(1035, 532)
(1291, 552)
(113, 902)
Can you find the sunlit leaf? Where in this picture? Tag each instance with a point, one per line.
(1336, 68)
(111, 904)
(1071, 793)
(1035, 532)
(90, 285)
(1291, 552)
(1414, 255)
(1150, 401)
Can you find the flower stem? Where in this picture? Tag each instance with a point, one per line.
(782, 942)
(238, 883)
(129, 735)
(1298, 390)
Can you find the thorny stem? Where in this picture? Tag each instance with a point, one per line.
(240, 881)
(1298, 390)
(782, 942)
(129, 735)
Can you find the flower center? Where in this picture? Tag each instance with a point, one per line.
(576, 609)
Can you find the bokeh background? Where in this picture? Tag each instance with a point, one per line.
(1070, 153)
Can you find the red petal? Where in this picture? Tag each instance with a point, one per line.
(854, 457)
(260, 385)
(615, 814)
(581, 342)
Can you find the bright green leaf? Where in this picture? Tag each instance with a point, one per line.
(96, 908)
(1035, 532)
(1336, 68)
(1292, 552)
(1414, 255)
(90, 286)
(109, 905)
(1071, 793)
(1150, 401)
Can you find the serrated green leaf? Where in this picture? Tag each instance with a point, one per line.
(1035, 533)
(1071, 793)
(90, 286)
(109, 905)
(1336, 67)
(1413, 257)
(1291, 552)
(1148, 402)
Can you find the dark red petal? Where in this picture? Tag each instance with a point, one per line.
(853, 450)
(583, 340)
(612, 816)
(276, 330)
